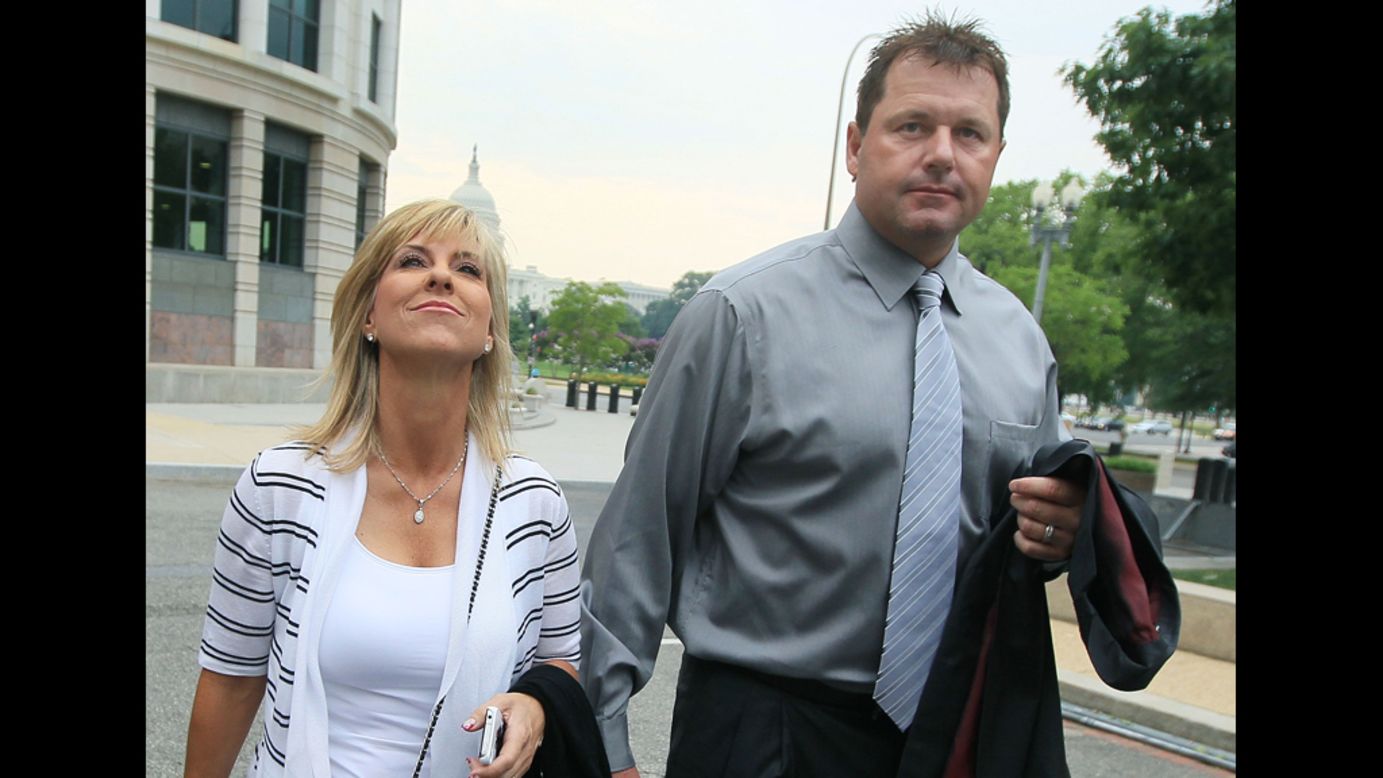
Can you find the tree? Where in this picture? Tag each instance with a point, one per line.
(1084, 324)
(1164, 93)
(583, 321)
(520, 315)
(660, 313)
(631, 325)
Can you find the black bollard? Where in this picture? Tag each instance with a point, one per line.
(638, 395)
(590, 396)
(571, 393)
(614, 398)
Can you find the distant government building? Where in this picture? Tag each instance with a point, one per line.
(528, 282)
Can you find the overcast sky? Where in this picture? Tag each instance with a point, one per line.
(634, 141)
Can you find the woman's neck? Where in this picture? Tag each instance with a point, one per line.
(422, 418)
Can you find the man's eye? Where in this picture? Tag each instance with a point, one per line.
(911, 127)
(968, 132)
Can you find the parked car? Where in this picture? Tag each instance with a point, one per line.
(1158, 427)
(1106, 424)
(1224, 433)
(1229, 450)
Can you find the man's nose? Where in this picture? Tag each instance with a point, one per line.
(939, 153)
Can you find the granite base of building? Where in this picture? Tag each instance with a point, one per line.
(172, 383)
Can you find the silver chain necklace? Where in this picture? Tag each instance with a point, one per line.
(418, 515)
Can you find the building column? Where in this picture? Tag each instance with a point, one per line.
(244, 193)
(150, 119)
(332, 171)
(252, 26)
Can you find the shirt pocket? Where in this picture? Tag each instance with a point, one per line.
(1010, 451)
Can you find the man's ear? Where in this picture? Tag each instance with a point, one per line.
(854, 138)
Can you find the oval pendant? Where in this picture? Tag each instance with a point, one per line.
(418, 516)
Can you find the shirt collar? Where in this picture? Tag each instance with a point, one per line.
(890, 271)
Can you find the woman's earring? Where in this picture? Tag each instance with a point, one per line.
(489, 344)
(370, 336)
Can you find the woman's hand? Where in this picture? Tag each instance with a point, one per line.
(524, 722)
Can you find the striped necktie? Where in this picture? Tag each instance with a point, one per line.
(924, 550)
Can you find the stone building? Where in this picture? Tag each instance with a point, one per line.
(268, 128)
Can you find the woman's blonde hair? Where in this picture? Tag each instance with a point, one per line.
(353, 404)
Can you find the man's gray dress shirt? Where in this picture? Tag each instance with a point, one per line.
(756, 510)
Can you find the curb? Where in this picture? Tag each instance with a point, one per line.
(1149, 710)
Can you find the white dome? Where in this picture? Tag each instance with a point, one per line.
(476, 197)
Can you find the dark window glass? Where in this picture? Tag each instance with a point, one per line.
(213, 17)
(271, 180)
(283, 210)
(169, 210)
(309, 55)
(293, 32)
(293, 240)
(294, 186)
(374, 58)
(218, 18)
(189, 191)
(170, 158)
(278, 33)
(180, 12)
(361, 183)
(206, 227)
(268, 233)
(208, 173)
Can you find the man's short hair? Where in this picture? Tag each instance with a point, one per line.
(955, 42)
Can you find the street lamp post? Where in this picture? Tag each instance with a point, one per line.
(840, 112)
(1050, 224)
(530, 345)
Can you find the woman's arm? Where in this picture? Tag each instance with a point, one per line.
(222, 711)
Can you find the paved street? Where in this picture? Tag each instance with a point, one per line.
(181, 523)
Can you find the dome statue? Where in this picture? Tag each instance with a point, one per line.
(476, 197)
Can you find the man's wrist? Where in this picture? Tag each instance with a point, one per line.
(615, 732)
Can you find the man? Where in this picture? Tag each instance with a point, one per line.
(783, 448)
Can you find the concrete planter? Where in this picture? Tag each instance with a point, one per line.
(1142, 483)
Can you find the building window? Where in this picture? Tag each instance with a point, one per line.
(283, 204)
(374, 58)
(362, 194)
(293, 31)
(189, 191)
(213, 17)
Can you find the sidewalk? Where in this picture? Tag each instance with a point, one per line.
(1193, 697)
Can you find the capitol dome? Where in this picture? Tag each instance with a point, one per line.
(476, 197)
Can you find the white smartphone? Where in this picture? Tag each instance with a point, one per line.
(492, 736)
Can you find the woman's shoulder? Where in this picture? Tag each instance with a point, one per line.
(294, 467)
(525, 477)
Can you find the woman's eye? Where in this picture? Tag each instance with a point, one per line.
(470, 267)
(411, 260)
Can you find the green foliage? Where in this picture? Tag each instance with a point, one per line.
(1083, 321)
(660, 313)
(630, 325)
(584, 321)
(1164, 93)
(1131, 464)
(519, 317)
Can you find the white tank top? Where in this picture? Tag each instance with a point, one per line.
(382, 655)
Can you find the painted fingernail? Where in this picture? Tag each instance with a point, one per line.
(468, 725)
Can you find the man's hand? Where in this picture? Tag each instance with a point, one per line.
(1049, 511)
(632, 772)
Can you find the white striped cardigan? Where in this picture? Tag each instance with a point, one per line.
(282, 534)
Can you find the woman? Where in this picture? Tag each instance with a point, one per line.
(371, 578)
